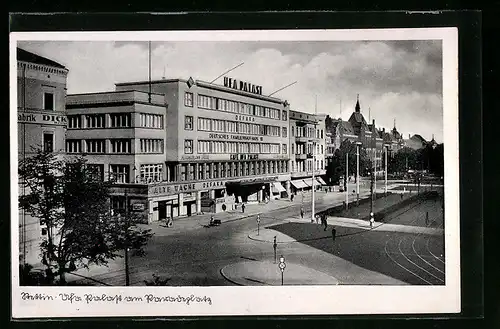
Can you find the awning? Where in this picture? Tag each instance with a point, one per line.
(307, 182)
(298, 183)
(278, 188)
(321, 181)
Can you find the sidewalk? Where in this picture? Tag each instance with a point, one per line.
(267, 273)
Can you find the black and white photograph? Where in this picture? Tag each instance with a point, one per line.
(237, 172)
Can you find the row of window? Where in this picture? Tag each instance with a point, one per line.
(116, 146)
(215, 103)
(307, 132)
(301, 166)
(218, 147)
(189, 172)
(306, 149)
(116, 120)
(216, 125)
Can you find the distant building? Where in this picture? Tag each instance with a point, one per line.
(415, 142)
(308, 150)
(41, 124)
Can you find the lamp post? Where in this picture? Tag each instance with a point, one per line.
(347, 181)
(313, 168)
(127, 274)
(386, 146)
(357, 171)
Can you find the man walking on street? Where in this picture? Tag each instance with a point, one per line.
(302, 212)
(325, 222)
(243, 208)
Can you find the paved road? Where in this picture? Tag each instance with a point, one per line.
(195, 257)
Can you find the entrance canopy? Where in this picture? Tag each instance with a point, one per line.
(299, 183)
(278, 188)
(322, 182)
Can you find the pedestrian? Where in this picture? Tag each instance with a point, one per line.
(291, 197)
(243, 208)
(372, 220)
(334, 233)
(325, 222)
(212, 220)
(317, 219)
(301, 212)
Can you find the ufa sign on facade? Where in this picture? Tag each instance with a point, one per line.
(242, 85)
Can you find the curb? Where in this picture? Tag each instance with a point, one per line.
(225, 277)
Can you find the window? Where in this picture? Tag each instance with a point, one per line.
(188, 146)
(73, 146)
(200, 171)
(151, 145)
(218, 147)
(254, 148)
(74, 121)
(293, 146)
(292, 131)
(204, 124)
(119, 120)
(188, 99)
(243, 148)
(231, 126)
(284, 115)
(152, 173)
(254, 129)
(95, 145)
(206, 102)
(321, 133)
(231, 147)
(284, 149)
(191, 171)
(117, 204)
(284, 132)
(322, 165)
(96, 171)
(215, 170)
(218, 125)
(48, 101)
(95, 120)
(265, 148)
(204, 147)
(188, 122)
(119, 173)
(151, 120)
(207, 171)
(120, 145)
(48, 142)
(321, 149)
(275, 148)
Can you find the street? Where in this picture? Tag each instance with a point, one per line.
(399, 252)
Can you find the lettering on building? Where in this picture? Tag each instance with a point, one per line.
(243, 156)
(195, 157)
(233, 137)
(242, 85)
(42, 118)
(213, 184)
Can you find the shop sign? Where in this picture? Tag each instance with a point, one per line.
(195, 157)
(242, 85)
(243, 156)
(138, 207)
(42, 118)
(211, 184)
(172, 189)
(231, 137)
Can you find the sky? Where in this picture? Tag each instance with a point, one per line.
(395, 80)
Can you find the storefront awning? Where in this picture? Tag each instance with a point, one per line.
(298, 183)
(321, 181)
(307, 182)
(278, 188)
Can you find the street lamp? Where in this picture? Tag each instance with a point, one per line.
(386, 146)
(358, 144)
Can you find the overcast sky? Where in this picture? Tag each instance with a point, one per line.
(399, 80)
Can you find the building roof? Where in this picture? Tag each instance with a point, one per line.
(419, 138)
(26, 56)
(357, 117)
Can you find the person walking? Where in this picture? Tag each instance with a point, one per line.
(317, 219)
(291, 197)
(302, 212)
(325, 221)
(211, 220)
(243, 208)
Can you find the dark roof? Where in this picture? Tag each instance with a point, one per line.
(357, 117)
(419, 138)
(26, 56)
(346, 127)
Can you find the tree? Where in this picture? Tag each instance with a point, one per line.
(73, 203)
(337, 166)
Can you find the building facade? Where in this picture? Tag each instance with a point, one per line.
(308, 150)
(41, 124)
(217, 145)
